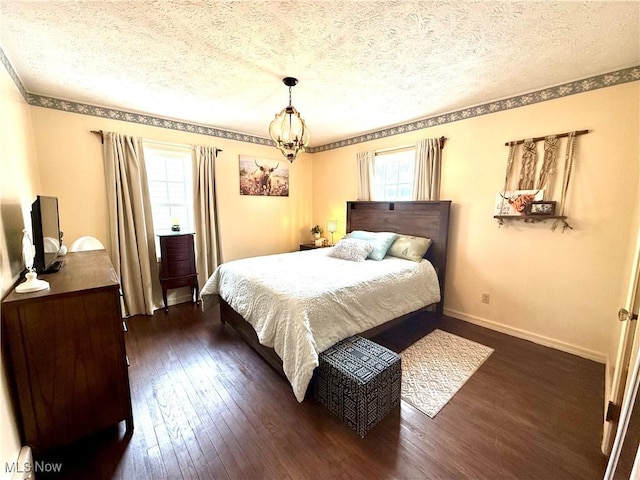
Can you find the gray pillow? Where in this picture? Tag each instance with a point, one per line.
(409, 247)
(351, 249)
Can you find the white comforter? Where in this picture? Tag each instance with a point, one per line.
(302, 303)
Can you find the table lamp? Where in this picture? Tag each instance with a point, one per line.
(332, 226)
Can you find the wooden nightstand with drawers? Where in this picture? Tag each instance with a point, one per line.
(178, 264)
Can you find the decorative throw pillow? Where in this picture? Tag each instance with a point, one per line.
(351, 249)
(381, 241)
(411, 248)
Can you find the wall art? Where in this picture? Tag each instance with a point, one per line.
(516, 202)
(263, 176)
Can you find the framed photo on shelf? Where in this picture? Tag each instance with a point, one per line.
(543, 208)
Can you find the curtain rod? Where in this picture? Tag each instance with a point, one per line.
(404, 147)
(169, 144)
(537, 139)
(101, 134)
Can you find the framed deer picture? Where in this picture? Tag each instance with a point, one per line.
(516, 202)
(262, 176)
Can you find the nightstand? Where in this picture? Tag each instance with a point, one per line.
(309, 246)
(178, 264)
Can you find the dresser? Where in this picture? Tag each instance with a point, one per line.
(65, 353)
(178, 264)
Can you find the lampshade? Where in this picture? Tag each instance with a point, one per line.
(288, 130)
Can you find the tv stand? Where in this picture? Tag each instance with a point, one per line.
(55, 267)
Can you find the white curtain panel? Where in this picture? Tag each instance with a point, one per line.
(365, 175)
(205, 211)
(426, 180)
(133, 251)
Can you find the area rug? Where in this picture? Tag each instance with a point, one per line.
(436, 367)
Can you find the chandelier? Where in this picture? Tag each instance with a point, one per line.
(288, 129)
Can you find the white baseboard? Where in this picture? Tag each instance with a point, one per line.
(186, 298)
(532, 337)
(177, 296)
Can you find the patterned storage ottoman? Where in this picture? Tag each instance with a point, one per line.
(359, 381)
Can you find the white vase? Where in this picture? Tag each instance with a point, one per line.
(316, 236)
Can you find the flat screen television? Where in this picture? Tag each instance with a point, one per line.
(46, 233)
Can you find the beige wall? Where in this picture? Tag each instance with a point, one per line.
(70, 161)
(18, 184)
(50, 152)
(559, 289)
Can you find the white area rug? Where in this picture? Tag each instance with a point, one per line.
(436, 367)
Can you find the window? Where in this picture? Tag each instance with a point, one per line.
(170, 179)
(393, 175)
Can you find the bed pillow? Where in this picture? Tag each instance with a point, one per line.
(351, 249)
(409, 247)
(381, 241)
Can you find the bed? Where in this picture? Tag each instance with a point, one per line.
(303, 310)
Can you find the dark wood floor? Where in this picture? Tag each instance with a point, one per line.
(206, 406)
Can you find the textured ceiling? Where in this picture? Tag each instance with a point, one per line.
(362, 66)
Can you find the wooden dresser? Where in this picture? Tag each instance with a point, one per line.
(65, 353)
(178, 264)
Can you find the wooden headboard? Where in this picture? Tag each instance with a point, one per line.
(421, 219)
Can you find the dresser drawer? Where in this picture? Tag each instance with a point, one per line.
(177, 247)
(179, 282)
(177, 268)
(176, 254)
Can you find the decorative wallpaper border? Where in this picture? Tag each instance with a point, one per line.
(12, 73)
(104, 112)
(618, 77)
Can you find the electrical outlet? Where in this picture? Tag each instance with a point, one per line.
(485, 298)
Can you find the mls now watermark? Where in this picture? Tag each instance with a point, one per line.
(33, 467)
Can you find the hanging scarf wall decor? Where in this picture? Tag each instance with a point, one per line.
(568, 167)
(513, 147)
(528, 168)
(548, 168)
(539, 205)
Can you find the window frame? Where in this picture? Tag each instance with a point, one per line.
(152, 152)
(403, 154)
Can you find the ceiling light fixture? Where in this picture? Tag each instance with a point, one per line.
(288, 129)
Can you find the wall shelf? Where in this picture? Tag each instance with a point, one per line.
(523, 200)
(534, 219)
